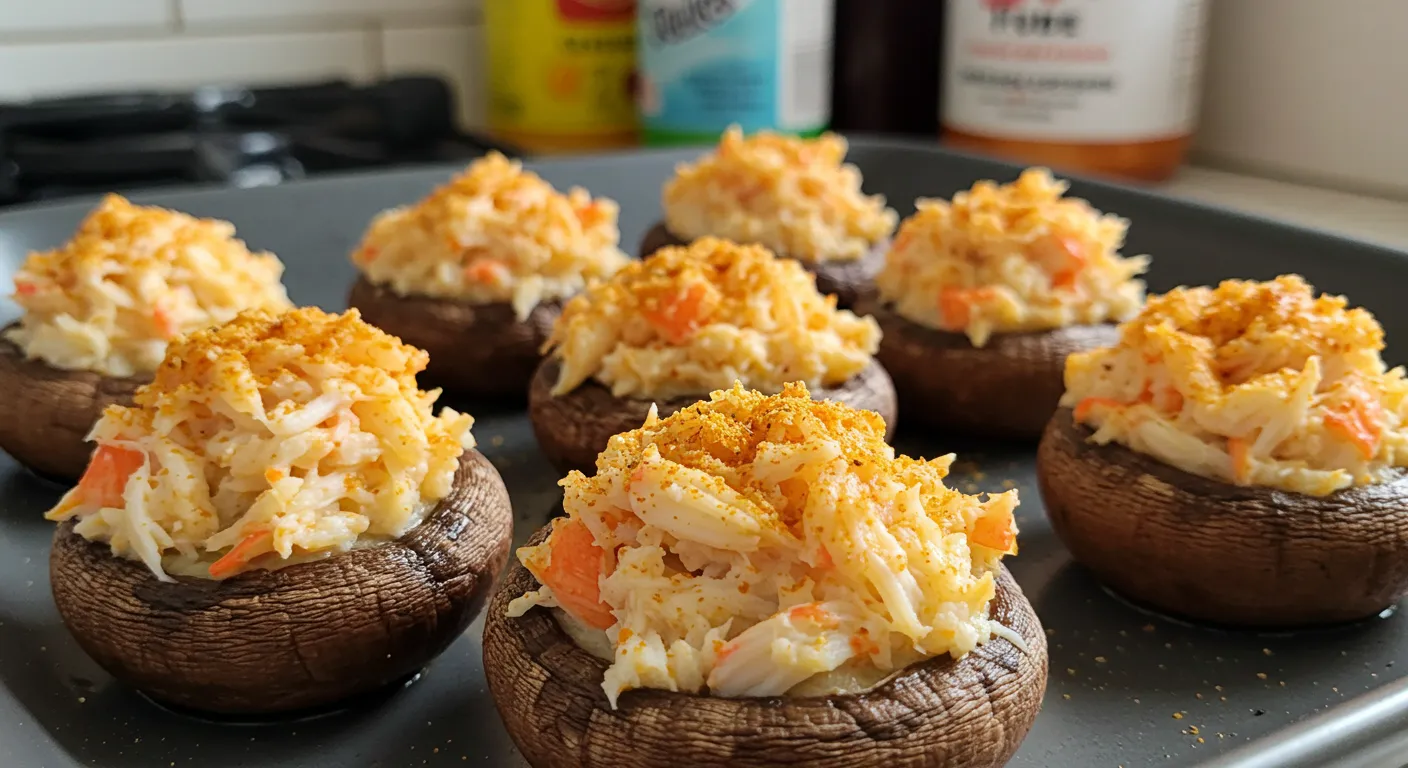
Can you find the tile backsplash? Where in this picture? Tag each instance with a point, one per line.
(52, 47)
(1306, 89)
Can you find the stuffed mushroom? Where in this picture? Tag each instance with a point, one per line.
(1238, 457)
(98, 313)
(792, 195)
(279, 521)
(668, 330)
(981, 299)
(476, 273)
(759, 580)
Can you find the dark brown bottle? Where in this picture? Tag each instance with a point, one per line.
(886, 68)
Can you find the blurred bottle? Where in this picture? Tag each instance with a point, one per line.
(1103, 86)
(707, 64)
(887, 66)
(561, 73)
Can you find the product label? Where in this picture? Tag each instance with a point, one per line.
(561, 66)
(596, 10)
(1073, 70)
(706, 64)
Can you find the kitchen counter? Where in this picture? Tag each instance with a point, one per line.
(1374, 219)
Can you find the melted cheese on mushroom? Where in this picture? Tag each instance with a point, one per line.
(693, 319)
(495, 233)
(131, 279)
(751, 544)
(1251, 383)
(270, 440)
(1012, 257)
(792, 195)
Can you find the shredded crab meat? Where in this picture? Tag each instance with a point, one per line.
(751, 544)
(1011, 257)
(130, 280)
(785, 649)
(693, 319)
(495, 233)
(271, 440)
(1251, 383)
(792, 195)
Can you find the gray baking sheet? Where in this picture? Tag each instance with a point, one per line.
(1126, 687)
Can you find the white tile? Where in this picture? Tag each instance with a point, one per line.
(1365, 218)
(198, 12)
(48, 15)
(1309, 89)
(454, 52)
(50, 68)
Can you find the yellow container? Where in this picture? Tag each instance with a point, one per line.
(562, 73)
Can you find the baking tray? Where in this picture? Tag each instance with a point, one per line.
(1126, 687)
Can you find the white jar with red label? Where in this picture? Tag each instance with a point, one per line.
(1103, 86)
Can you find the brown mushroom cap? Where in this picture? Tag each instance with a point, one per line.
(1217, 552)
(847, 280)
(299, 637)
(1008, 388)
(573, 428)
(479, 350)
(972, 711)
(46, 412)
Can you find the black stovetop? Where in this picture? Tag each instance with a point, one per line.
(244, 137)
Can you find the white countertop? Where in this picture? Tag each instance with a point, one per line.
(1366, 218)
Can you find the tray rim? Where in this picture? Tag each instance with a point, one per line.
(1363, 723)
(1355, 734)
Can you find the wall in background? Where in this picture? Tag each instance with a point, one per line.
(1309, 89)
(52, 47)
(1306, 89)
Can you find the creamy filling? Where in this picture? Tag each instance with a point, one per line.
(850, 678)
(1249, 383)
(495, 233)
(1010, 258)
(130, 281)
(269, 440)
(691, 320)
(750, 544)
(197, 566)
(794, 196)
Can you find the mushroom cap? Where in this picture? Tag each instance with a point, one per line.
(299, 637)
(1217, 552)
(967, 712)
(1008, 388)
(46, 412)
(573, 428)
(478, 350)
(847, 280)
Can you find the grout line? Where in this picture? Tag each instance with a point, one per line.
(1329, 182)
(117, 34)
(180, 26)
(376, 48)
(476, 13)
(1372, 219)
(340, 21)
